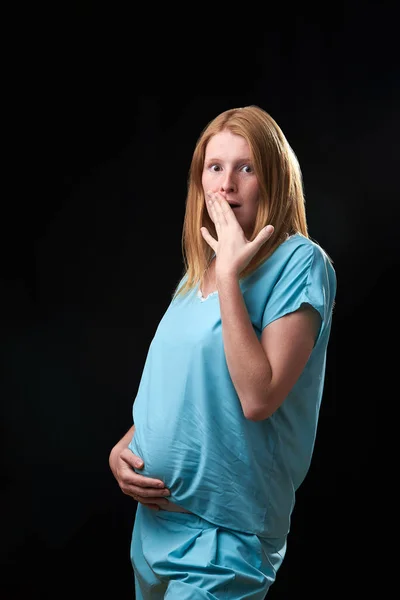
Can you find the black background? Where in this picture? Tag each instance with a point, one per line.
(103, 113)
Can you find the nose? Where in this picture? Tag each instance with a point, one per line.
(228, 183)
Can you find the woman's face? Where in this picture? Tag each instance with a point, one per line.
(228, 169)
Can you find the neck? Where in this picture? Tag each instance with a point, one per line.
(209, 273)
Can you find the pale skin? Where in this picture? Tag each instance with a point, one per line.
(262, 371)
(143, 489)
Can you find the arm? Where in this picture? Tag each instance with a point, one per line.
(122, 462)
(264, 372)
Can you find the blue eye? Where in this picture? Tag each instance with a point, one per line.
(215, 168)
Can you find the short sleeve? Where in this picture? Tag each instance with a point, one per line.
(307, 277)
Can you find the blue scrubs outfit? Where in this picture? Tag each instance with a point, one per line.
(181, 556)
(232, 473)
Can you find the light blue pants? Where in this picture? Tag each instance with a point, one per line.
(181, 556)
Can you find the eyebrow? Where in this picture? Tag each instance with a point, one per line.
(244, 159)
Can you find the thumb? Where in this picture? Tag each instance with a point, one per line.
(131, 459)
(209, 239)
(264, 235)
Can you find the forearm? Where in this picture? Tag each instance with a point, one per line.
(247, 362)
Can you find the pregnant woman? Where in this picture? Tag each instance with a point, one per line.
(226, 412)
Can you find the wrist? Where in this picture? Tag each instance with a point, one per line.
(228, 277)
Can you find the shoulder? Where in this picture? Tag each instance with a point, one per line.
(299, 271)
(300, 251)
(299, 244)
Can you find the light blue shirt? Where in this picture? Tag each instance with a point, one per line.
(190, 429)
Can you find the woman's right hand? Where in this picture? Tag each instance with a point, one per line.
(150, 492)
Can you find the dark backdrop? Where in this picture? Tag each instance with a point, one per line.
(98, 155)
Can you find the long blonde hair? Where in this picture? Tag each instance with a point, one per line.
(281, 203)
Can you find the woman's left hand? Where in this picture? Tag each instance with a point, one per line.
(232, 249)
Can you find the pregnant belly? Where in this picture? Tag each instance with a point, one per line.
(175, 463)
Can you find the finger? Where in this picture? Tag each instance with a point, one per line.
(160, 502)
(136, 490)
(264, 235)
(269, 230)
(131, 459)
(217, 208)
(142, 481)
(153, 506)
(224, 211)
(227, 210)
(210, 202)
(154, 502)
(209, 238)
(144, 495)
